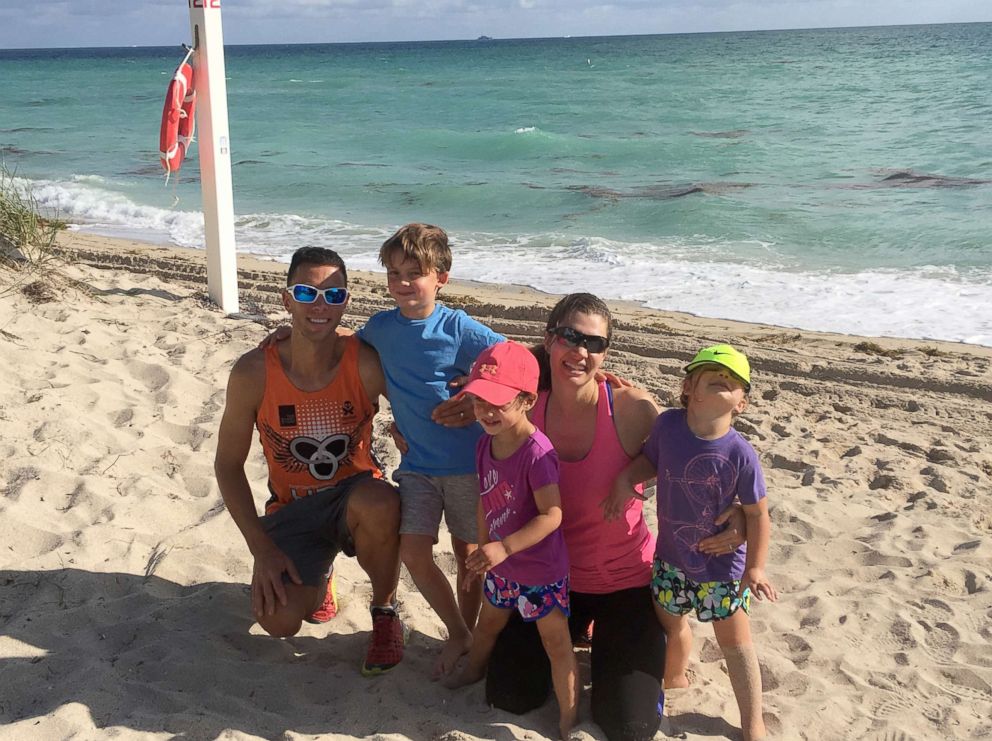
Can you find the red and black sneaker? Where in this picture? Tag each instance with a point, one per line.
(328, 609)
(386, 645)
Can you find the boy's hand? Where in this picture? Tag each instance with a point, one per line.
(485, 557)
(278, 335)
(730, 537)
(614, 505)
(398, 440)
(757, 582)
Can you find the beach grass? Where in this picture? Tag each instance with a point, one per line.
(27, 238)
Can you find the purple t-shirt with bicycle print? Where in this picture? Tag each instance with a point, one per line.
(697, 480)
(507, 489)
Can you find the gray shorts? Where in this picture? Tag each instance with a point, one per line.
(314, 529)
(423, 498)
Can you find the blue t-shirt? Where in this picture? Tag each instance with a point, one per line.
(697, 480)
(419, 358)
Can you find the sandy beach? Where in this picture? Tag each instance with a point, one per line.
(123, 581)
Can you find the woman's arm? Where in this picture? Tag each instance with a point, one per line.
(640, 470)
(733, 535)
(634, 413)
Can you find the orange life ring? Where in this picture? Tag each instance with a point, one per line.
(178, 123)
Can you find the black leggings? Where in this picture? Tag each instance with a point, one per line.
(627, 661)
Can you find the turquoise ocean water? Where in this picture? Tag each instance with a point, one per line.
(833, 179)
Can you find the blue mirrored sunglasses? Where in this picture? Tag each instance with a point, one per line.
(574, 338)
(304, 294)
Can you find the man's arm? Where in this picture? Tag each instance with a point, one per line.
(370, 371)
(244, 394)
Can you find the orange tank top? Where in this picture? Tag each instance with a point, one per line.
(314, 439)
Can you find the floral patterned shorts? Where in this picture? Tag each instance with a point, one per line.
(712, 600)
(533, 603)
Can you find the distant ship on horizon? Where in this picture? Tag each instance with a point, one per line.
(484, 38)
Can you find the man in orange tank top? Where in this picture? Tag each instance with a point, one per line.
(312, 399)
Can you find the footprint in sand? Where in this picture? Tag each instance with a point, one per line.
(907, 702)
(940, 455)
(153, 377)
(935, 609)
(898, 638)
(794, 684)
(902, 445)
(811, 611)
(941, 641)
(799, 650)
(874, 558)
(190, 436)
(965, 683)
(895, 736)
(789, 464)
(198, 479)
(935, 480)
(884, 481)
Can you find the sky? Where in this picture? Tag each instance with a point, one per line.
(68, 23)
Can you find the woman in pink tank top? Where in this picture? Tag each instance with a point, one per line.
(596, 432)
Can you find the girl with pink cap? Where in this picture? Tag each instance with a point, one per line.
(521, 553)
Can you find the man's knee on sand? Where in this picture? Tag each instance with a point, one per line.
(288, 619)
(374, 509)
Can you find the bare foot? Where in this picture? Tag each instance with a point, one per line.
(453, 649)
(677, 683)
(464, 677)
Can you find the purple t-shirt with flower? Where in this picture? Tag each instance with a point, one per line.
(697, 480)
(507, 489)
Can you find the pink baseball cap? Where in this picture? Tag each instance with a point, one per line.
(501, 372)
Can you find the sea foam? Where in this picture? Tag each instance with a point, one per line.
(685, 274)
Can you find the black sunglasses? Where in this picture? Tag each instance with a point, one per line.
(574, 338)
(304, 294)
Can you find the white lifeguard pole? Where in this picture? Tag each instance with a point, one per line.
(214, 153)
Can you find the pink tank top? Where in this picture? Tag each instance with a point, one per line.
(605, 556)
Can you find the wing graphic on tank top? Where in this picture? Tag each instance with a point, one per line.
(321, 457)
(705, 480)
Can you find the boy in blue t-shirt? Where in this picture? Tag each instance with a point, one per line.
(423, 346)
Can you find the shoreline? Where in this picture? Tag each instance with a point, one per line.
(124, 580)
(189, 264)
(807, 299)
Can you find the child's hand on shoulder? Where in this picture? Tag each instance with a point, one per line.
(277, 335)
(757, 582)
(617, 382)
(485, 557)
